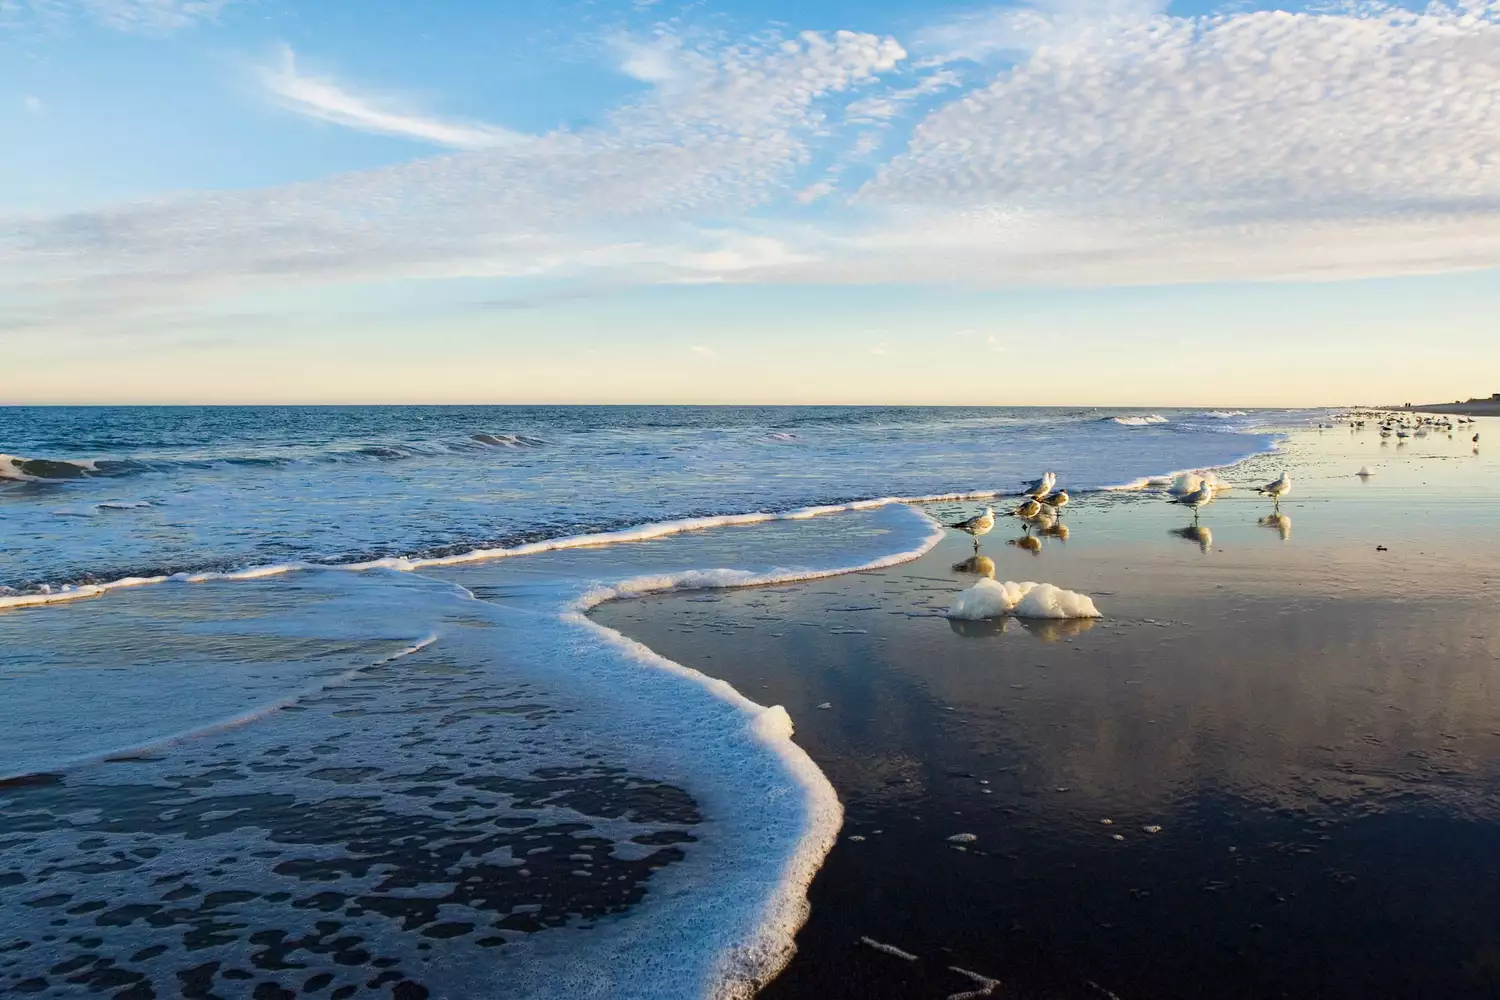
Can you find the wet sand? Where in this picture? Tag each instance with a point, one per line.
(1312, 723)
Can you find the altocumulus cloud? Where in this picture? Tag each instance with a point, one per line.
(1076, 144)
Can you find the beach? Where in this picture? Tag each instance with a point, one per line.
(1268, 770)
(699, 727)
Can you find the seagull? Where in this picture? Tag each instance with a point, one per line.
(1031, 512)
(979, 524)
(1197, 499)
(1027, 511)
(1277, 488)
(1040, 487)
(1057, 501)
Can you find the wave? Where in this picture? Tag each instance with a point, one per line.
(1140, 420)
(20, 469)
(1223, 414)
(50, 470)
(50, 594)
(509, 440)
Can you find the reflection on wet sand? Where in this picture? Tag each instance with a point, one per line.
(979, 628)
(1041, 629)
(1278, 522)
(1197, 534)
(1058, 531)
(977, 565)
(1053, 629)
(1029, 543)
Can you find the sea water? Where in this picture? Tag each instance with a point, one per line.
(351, 725)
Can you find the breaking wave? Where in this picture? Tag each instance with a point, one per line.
(20, 469)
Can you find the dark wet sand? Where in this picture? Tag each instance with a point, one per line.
(1313, 724)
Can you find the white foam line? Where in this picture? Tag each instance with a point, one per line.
(233, 722)
(1149, 482)
(762, 957)
(645, 532)
(889, 949)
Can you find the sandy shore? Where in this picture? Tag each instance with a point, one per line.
(1270, 770)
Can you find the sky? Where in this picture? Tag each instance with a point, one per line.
(1109, 202)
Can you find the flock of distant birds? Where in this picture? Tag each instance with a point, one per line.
(1403, 426)
(1042, 509)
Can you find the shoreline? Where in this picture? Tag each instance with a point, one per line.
(531, 586)
(1471, 408)
(876, 648)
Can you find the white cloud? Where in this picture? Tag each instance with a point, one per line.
(143, 16)
(627, 197)
(1017, 30)
(814, 192)
(651, 62)
(886, 106)
(1136, 147)
(701, 351)
(326, 100)
(33, 105)
(1245, 145)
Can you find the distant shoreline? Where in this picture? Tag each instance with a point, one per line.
(1473, 408)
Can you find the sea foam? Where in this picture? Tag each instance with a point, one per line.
(774, 815)
(992, 599)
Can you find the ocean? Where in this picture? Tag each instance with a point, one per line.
(292, 694)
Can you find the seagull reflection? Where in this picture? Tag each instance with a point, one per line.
(1053, 629)
(1280, 522)
(1030, 543)
(1197, 534)
(1058, 531)
(977, 565)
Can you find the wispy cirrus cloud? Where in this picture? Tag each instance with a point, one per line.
(143, 16)
(326, 100)
(630, 198)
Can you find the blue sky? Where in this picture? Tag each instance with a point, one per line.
(1070, 201)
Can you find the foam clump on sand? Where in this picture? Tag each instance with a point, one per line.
(1188, 482)
(989, 599)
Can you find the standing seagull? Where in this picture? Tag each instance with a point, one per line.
(1198, 499)
(979, 524)
(1040, 487)
(1027, 512)
(1057, 501)
(1277, 488)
